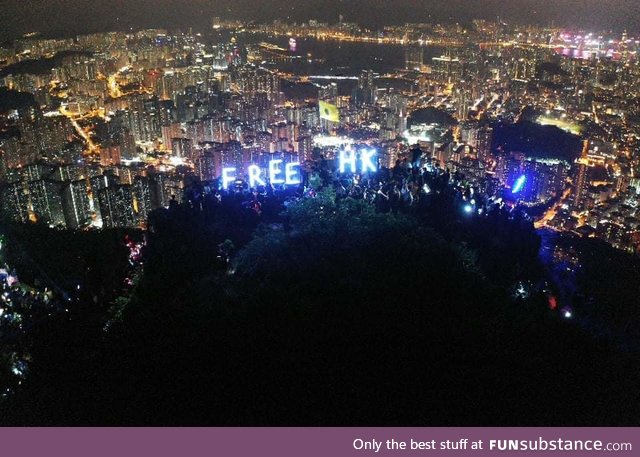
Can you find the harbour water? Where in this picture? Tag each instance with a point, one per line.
(341, 58)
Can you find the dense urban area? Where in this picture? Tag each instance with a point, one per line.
(179, 206)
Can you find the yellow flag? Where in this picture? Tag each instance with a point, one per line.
(329, 112)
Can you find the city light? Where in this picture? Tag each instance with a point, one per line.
(228, 176)
(327, 141)
(321, 190)
(357, 161)
(277, 172)
(519, 184)
(254, 176)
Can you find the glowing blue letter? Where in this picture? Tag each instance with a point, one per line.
(228, 178)
(274, 170)
(347, 159)
(518, 186)
(254, 176)
(366, 162)
(291, 174)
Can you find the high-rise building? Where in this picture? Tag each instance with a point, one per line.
(3, 167)
(581, 182)
(484, 142)
(169, 132)
(116, 206)
(304, 148)
(157, 191)
(110, 155)
(14, 203)
(469, 133)
(75, 204)
(205, 165)
(141, 199)
(46, 201)
(365, 93)
(182, 148)
(414, 58)
(447, 68)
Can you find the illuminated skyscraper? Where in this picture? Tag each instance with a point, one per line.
(14, 202)
(157, 191)
(3, 166)
(46, 201)
(414, 58)
(116, 207)
(110, 155)
(447, 68)
(365, 94)
(484, 141)
(581, 182)
(75, 204)
(141, 199)
(182, 148)
(206, 165)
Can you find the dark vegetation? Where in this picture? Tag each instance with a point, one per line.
(550, 69)
(330, 314)
(13, 99)
(534, 140)
(431, 115)
(40, 66)
(608, 309)
(65, 259)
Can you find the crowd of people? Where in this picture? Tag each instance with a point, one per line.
(408, 186)
(21, 307)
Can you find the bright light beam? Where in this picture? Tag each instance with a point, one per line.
(519, 185)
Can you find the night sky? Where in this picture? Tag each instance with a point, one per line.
(78, 16)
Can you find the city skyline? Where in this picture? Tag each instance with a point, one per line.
(219, 220)
(63, 17)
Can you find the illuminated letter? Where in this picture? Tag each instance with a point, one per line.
(291, 175)
(274, 170)
(366, 162)
(254, 176)
(227, 178)
(519, 185)
(347, 159)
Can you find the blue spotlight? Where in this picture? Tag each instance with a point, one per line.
(519, 185)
